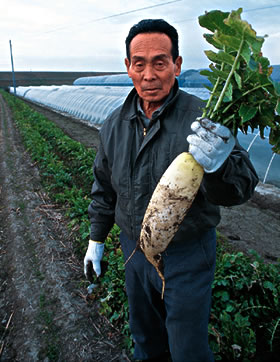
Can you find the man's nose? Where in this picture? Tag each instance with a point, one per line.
(149, 72)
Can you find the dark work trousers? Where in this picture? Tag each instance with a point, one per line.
(179, 322)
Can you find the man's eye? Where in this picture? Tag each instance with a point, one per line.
(138, 66)
(159, 65)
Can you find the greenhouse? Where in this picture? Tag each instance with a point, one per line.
(91, 103)
(187, 79)
(92, 99)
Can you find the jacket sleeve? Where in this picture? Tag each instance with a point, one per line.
(235, 181)
(102, 208)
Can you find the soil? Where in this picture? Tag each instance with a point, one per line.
(45, 313)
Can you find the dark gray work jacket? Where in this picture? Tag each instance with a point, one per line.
(128, 167)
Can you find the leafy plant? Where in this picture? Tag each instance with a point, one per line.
(245, 314)
(242, 92)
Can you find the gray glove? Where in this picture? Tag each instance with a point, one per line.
(94, 255)
(211, 144)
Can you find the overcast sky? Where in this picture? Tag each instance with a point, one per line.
(89, 35)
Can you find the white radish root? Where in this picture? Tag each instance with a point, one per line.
(167, 208)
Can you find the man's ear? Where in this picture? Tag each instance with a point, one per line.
(178, 65)
(127, 64)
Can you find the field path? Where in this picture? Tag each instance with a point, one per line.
(44, 313)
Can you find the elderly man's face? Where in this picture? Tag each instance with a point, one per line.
(151, 67)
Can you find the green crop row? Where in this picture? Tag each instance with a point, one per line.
(245, 315)
(65, 165)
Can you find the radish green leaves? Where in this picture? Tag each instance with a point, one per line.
(243, 94)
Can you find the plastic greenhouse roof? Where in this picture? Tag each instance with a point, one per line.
(110, 80)
(188, 78)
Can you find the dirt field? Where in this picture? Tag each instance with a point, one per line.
(44, 312)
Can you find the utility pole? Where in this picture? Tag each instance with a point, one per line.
(13, 72)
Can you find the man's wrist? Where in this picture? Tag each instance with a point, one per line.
(95, 241)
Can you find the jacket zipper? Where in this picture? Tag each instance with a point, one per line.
(142, 124)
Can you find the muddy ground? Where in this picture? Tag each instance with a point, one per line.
(44, 312)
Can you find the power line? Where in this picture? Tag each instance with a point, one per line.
(114, 16)
(134, 11)
(244, 11)
(263, 8)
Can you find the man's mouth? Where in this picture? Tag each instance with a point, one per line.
(150, 89)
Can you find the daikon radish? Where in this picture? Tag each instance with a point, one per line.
(167, 208)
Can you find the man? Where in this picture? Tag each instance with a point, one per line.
(137, 143)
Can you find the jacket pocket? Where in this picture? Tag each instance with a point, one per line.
(120, 178)
(161, 157)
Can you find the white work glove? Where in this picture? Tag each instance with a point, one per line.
(211, 144)
(94, 255)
